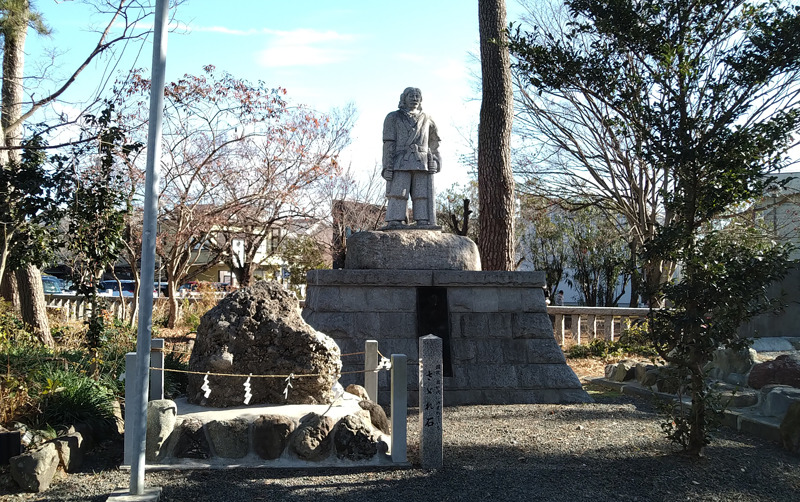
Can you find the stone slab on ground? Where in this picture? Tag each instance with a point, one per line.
(151, 494)
(764, 427)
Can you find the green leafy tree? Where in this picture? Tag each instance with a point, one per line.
(96, 210)
(28, 204)
(24, 96)
(709, 91)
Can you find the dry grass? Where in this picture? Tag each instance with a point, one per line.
(588, 367)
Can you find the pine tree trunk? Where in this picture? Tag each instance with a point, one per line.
(29, 281)
(15, 27)
(10, 291)
(495, 178)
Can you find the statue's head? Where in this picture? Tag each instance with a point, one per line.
(416, 99)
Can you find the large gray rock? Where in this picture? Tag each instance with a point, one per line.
(409, 249)
(621, 371)
(189, 440)
(259, 330)
(34, 470)
(776, 399)
(71, 450)
(729, 365)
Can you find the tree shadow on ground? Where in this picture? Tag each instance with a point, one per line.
(743, 471)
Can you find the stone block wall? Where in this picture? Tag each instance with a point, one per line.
(500, 340)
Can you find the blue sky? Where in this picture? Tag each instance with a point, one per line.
(326, 53)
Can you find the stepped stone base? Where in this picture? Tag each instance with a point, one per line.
(498, 339)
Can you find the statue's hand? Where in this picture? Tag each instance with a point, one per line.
(387, 174)
(433, 166)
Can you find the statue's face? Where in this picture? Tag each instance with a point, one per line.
(413, 100)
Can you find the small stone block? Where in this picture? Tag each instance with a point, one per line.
(763, 428)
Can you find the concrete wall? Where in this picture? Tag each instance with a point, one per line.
(783, 324)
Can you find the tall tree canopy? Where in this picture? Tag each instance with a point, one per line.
(707, 93)
(20, 103)
(240, 163)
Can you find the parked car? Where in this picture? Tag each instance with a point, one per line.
(111, 288)
(51, 285)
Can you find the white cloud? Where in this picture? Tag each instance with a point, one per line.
(300, 47)
(304, 47)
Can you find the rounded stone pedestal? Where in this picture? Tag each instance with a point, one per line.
(411, 249)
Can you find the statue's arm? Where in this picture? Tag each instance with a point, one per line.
(389, 145)
(434, 159)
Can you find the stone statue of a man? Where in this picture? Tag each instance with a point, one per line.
(410, 158)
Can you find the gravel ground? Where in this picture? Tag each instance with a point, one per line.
(612, 450)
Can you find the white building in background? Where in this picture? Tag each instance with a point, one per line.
(780, 210)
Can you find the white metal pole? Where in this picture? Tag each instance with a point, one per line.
(149, 229)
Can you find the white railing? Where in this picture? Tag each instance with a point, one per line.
(76, 308)
(585, 321)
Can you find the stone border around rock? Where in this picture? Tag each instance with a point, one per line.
(264, 439)
(747, 420)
